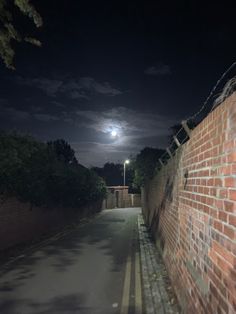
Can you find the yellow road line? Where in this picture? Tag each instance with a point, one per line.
(126, 289)
(138, 287)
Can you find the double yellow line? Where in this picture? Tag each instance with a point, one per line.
(127, 283)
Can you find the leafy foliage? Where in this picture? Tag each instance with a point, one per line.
(63, 151)
(37, 173)
(145, 165)
(8, 31)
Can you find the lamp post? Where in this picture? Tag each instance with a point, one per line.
(126, 162)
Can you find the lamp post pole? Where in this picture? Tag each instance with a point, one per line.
(126, 162)
(124, 173)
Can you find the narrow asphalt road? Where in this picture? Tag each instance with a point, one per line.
(93, 269)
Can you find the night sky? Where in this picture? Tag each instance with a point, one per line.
(134, 67)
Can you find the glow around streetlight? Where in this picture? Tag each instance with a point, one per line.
(125, 163)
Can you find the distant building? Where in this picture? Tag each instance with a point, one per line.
(119, 197)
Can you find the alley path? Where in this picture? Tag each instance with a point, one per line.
(93, 269)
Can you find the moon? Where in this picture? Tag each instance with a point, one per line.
(113, 133)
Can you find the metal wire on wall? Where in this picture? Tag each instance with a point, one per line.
(195, 119)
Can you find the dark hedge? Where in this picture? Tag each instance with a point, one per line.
(45, 174)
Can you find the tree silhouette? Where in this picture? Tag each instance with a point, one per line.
(63, 151)
(8, 31)
(145, 165)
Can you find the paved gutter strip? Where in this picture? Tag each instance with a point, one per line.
(155, 284)
(157, 300)
(158, 282)
(148, 301)
(153, 303)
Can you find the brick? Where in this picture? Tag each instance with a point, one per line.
(203, 214)
(232, 195)
(225, 170)
(223, 266)
(213, 191)
(219, 249)
(216, 141)
(219, 204)
(230, 182)
(233, 171)
(209, 201)
(229, 232)
(217, 271)
(229, 283)
(233, 274)
(223, 304)
(229, 206)
(214, 290)
(213, 213)
(232, 220)
(206, 209)
(231, 157)
(218, 225)
(217, 182)
(232, 300)
(214, 172)
(223, 216)
(228, 146)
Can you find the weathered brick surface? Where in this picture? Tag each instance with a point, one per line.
(190, 206)
(19, 222)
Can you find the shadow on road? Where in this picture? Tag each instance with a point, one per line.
(109, 234)
(65, 304)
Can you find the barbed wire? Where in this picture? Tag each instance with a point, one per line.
(229, 86)
(212, 91)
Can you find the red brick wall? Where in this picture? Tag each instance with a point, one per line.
(191, 208)
(19, 223)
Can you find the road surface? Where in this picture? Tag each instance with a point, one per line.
(93, 269)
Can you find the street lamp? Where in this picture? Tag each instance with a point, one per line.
(126, 162)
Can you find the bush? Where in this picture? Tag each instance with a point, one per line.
(45, 174)
(145, 165)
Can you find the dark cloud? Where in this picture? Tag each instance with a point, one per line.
(91, 85)
(49, 86)
(99, 153)
(127, 121)
(160, 70)
(45, 117)
(135, 130)
(11, 113)
(74, 94)
(83, 87)
(89, 131)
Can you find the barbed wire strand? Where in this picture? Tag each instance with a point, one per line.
(229, 87)
(213, 90)
(203, 106)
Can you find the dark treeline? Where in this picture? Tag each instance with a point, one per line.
(113, 174)
(48, 174)
(140, 169)
(145, 165)
(45, 174)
